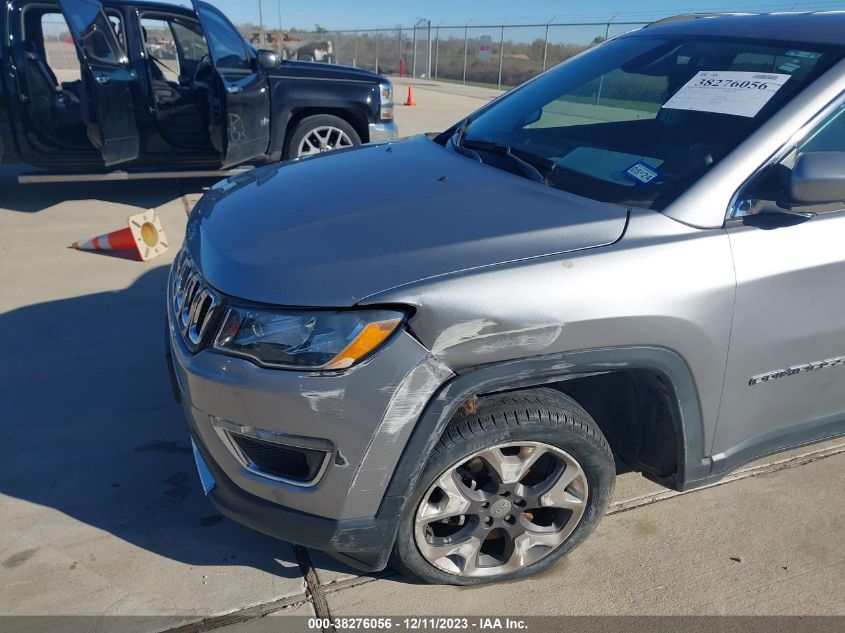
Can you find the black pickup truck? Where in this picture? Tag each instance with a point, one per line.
(87, 85)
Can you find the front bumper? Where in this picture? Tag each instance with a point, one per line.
(362, 417)
(363, 543)
(383, 131)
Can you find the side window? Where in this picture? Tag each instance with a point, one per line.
(227, 45)
(829, 136)
(161, 48)
(117, 28)
(772, 185)
(99, 38)
(190, 41)
(59, 48)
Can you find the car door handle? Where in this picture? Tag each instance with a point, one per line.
(233, 90)
(102, 79)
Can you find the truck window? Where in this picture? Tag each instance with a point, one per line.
(161, 49)
(179, 66)
(190, 41)
(88, 21)
(227, 45)
(59, 48)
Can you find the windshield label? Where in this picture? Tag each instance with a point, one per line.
(641, 173)
(727, 92)
(803, 54)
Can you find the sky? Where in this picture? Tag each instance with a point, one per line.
(368, 14)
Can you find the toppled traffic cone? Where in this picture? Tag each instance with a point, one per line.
(410, 100)
(144, 235)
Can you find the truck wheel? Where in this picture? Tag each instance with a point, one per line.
(507, 491)
(320, 133)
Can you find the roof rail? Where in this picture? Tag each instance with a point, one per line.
(691, 16)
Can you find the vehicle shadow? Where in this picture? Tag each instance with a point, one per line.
(90, 428)
(32, 198)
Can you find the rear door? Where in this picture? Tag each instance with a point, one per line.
(108, 81)
(244, 93)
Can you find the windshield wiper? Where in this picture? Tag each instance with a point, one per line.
(528, 164)
(458, 141)
(462, 132)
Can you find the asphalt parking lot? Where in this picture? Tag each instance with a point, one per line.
(102, 512)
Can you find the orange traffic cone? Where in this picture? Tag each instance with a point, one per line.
(410, 100)
(144, 235)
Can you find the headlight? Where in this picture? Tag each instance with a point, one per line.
(386, 99)
(304, 340)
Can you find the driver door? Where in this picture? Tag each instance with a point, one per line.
(785, 371)
(244, 114)
(108, 81)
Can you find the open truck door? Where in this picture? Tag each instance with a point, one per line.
(243, 118)
(107, 80)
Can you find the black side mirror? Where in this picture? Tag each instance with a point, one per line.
(268, 60)
(817, 178)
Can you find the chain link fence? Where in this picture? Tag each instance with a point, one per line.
(499, 56)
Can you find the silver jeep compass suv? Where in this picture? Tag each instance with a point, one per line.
(638, 253)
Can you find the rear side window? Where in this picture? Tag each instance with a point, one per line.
(59, 48)
(61, 51)
(100, 37)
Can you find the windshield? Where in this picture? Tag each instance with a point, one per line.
(638, 120)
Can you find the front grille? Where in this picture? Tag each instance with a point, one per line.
(286, 462)
(195, 306)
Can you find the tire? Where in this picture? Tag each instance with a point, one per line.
(507, 429)
(340, 134)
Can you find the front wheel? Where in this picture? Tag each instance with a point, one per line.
(507, 491)
(320, 133)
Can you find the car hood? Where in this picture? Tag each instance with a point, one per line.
(324, 71)
(335, 229)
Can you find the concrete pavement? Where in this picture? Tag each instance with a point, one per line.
(439, 104)
(772, 544)
(102, 512)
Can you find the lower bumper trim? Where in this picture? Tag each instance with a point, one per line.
(206, 479)
(360, 543)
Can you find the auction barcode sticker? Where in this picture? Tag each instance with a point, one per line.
(727, 92)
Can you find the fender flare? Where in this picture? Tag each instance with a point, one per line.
(693, 465)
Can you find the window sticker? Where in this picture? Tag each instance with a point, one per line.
(803, 54)
(738, 93)
(789, 67)
(641, 173)
(605, 164)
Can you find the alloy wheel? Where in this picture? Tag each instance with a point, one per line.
(501, 509)
(323, 139)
